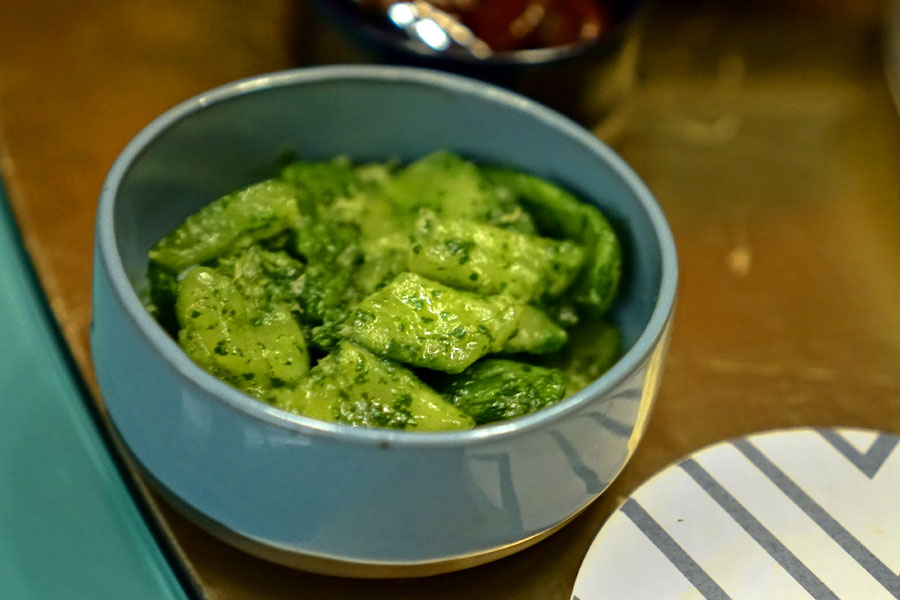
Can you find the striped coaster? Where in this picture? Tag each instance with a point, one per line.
(787, 514)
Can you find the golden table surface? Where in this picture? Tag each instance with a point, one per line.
(765, 129)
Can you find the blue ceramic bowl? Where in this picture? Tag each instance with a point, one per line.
(323, 496)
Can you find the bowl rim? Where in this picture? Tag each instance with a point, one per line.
(110, 260)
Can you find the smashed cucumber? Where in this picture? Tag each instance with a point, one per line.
(592, 349)
(437, 295)
(560, 214)
(537, 333)
(487, 259)
(453, 187)
(252, 352)
(355, 387)
(497, 389)
(426, 324)
(257, 212)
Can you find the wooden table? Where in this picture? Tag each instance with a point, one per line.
(766, 130)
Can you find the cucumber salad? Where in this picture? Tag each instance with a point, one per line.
(436, 295)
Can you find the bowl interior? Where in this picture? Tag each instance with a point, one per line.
(235, 135)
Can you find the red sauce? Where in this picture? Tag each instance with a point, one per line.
(519, 24)
(507, 25)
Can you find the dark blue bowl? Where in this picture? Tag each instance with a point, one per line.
(585, 80)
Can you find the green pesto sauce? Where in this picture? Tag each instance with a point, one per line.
(495, 390)
(336, 290)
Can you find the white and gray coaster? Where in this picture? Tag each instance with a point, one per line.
(781, 515)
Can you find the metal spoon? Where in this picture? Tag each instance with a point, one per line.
(435, 28)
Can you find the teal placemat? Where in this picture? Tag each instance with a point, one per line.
(69, 526)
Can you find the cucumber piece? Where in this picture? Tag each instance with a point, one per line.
(238, 219)
(384, 259)
(453, 187)
(162, 290)
(558, 213)
(490, 260)
(382, 235)
(594, 346)
(354, 387)
(322, 182)
(268, 281)
(537, 333)
(426, 324)
(495, 390)
(327, 294)
(219, 333)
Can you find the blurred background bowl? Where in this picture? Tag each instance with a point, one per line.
(328, 497)
(589, 81)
